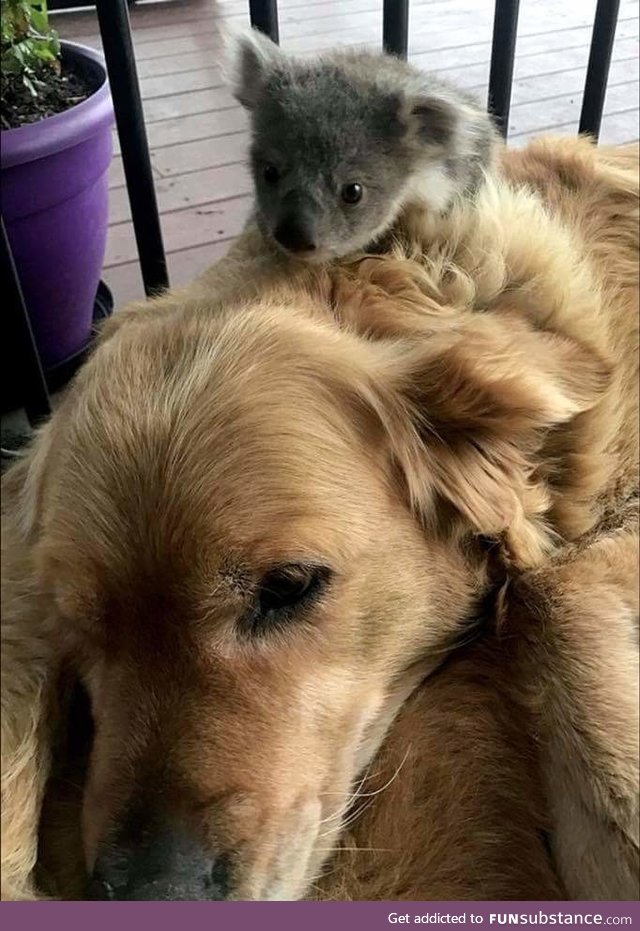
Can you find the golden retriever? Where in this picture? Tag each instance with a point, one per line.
(272, 505)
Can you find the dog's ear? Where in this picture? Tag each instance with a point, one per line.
(30, 660)
(251, 55)
(22, 488)
(470, 407)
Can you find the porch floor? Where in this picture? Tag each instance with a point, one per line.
(197, 132)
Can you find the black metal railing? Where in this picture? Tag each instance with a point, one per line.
(503, 51)
(264, 16)
(19, 336)
(395, 27)
(595, 88)
(115, 29)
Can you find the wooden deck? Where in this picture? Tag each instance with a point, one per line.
(197, 132)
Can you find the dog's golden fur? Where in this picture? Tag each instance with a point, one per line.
(456, 417)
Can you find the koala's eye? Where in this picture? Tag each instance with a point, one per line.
(282, 592)
(271, 174)
(351, 193)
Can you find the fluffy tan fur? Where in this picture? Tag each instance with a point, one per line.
(476, 384)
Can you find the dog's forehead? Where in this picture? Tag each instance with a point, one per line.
(253, 455)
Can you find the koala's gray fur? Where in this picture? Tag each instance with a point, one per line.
(353, 117)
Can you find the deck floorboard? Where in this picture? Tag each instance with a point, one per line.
(198, 134)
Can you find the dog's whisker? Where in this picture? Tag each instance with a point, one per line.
(355, 849)
(338, 815)
(388, 783)
(350, 820)
(345, 806)
(330, 898)
(353, 817)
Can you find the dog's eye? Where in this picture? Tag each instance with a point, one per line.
(271, 174)
(288, 586)
(351, 193)
(283, 591)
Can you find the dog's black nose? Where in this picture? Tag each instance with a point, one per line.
(165, 866)
(295, 235)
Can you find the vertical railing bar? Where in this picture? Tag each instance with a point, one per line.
(595, 88)
(395, 27)
(264, 16)
(503, 50)
(113, 16)
(25, 358)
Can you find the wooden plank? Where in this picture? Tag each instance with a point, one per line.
(193, 52)
(183, 83)
(205, 153)
(618, 128)
(538, 115)
(189, 128)
(183, 229)
(199, 16)
(194, 189)
(202, 55)
(296, 17)
(198, 52)
(116, 173)
(542, 86)
(189, 60)
(424, 28)
(540, 63)
(189, 156)
(164, 43)
(171, 106)
(125, 281)
(528, 46)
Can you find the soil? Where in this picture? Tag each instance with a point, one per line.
(56, 93)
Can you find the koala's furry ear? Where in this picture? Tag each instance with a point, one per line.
(433, 119)
(437, 119)
(250, 56)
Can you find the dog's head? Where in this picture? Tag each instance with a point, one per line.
(257, 533)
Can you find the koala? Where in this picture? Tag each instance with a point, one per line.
(342, 144)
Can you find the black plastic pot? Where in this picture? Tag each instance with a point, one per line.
(59, 375)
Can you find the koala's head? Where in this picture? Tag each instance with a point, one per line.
(339, 144)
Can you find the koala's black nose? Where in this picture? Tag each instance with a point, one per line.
(295, 234)
(165, 866)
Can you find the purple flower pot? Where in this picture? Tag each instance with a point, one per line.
(55, 208)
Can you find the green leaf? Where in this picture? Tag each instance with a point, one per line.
(11, 65)
(29, 44)
(39, 21)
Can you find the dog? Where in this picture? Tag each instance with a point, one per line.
(257, 530)
(545, 806)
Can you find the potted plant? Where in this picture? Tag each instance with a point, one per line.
(56, 150)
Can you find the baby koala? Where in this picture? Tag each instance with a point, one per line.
(343, 143)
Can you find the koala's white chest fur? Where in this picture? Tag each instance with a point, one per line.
(431, 188)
